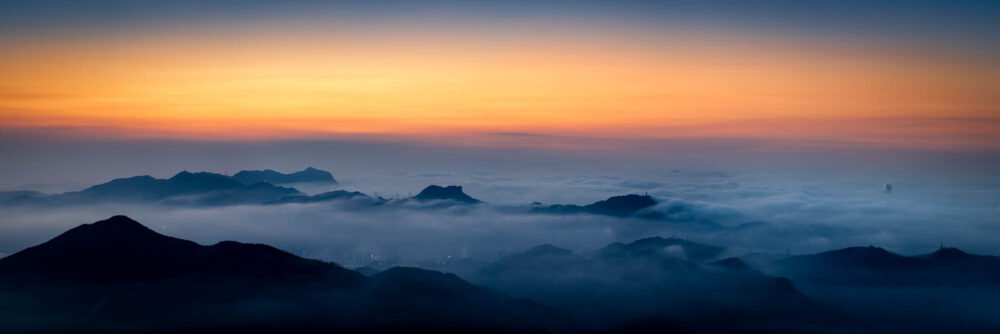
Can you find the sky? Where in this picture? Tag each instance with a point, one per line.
(906, 74)
(793, 113)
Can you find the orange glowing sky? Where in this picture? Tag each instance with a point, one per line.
(286, 79)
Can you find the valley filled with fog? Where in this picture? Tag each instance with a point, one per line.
(748, 211)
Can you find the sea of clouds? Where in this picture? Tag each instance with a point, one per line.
(735, 197)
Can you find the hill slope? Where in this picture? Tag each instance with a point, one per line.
(117, 275)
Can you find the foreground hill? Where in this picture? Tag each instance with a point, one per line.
(873, 266)
(117, 275)
(945, 291)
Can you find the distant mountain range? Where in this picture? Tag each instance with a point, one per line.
(618, 206)
(433, 195)
(117, 275)
(18, 195)
(327, 196)
(211, 189)
(254, 187)
(185, 188)
(309, 175)
(188, 189)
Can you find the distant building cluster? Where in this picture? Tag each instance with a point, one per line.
(887, 188)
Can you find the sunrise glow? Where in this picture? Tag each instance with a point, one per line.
(309, 79)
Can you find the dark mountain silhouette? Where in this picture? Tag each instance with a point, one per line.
(630, 282)
(121, 249)
(327, 196)
(136, 188)
(307, 175)
(618, 206)
(191, 183)
(185, 188)
(451, 193)
(874, 266)
(117, 275)
(944, 291)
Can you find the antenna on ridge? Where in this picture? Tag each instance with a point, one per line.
(942, 243)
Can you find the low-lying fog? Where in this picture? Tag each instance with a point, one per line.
(799, 215)
(798, 204)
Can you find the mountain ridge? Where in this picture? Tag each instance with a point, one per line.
(640, 282)
(103, 276)
(616, 206)
(309, 174)
(875, 266)
(183, 188)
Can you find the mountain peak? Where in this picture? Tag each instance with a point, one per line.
(117, 220)
(115, 232)
(454, 193)
(117, 248)
(118, 226)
